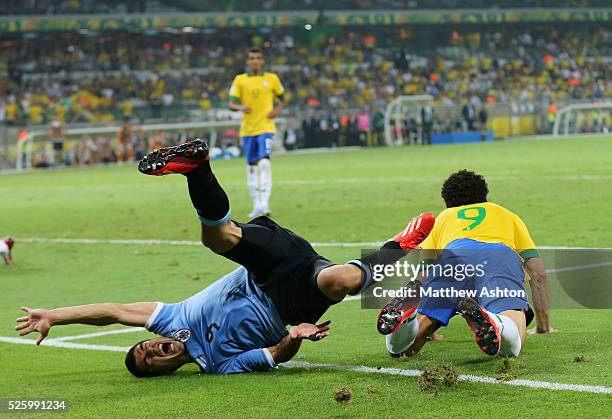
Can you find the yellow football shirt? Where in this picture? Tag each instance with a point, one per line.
(10, 111)
(258, 93)
(485, 222)
(36, 114)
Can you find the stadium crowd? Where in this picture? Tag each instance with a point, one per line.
(47, 7)
(106, 78)
(8, 7)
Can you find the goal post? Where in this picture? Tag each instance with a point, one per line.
(581, 117)
(397, 111)
(215, 129)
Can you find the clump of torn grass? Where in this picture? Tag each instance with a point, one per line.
(435, 377)
(343, 394)
(580, 358)
(510, 369)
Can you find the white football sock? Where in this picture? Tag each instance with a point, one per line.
(511, 339)
(253, 184)
(265, 182)
(401, 340)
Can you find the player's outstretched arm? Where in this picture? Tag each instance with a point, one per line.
(540, 291)
(290, 344)
(41, 320)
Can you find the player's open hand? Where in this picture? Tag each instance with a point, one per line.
(310, 331)
(536, 331)
(37, 320)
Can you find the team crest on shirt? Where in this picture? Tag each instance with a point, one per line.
(266, 84)
(182, 335)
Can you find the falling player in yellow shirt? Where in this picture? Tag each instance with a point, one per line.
(255, 94)
(495, 243)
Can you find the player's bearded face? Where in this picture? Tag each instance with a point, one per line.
(161, 355)
(255, 61)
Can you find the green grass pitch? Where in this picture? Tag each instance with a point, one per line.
(562, 189)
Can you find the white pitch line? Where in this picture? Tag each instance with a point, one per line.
(579, 267)
(380, 179)
(432, 179)
(96, 334)
(46, 240)
(69, 345)
(462, 377)
(538, 384)
(352, 368)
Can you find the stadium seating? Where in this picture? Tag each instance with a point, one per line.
(140, 6)
(111, 76)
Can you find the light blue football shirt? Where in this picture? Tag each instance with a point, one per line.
(226, 327)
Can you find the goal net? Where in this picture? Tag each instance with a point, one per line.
(403, 119)
(92, 145)
(584, 118)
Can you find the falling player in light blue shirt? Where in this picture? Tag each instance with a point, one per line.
(237, 324)
(229, 327)
(221, 325)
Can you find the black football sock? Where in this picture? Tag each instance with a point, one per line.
(388, 254)
(208, 197)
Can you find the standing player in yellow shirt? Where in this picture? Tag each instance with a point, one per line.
(497, 244)
(255, 93)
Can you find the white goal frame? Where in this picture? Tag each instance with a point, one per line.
(24, 148)
(564, 115)
(394, 110)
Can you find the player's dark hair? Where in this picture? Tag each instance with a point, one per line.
(130, 364)
(463, 188)
(255, 50)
